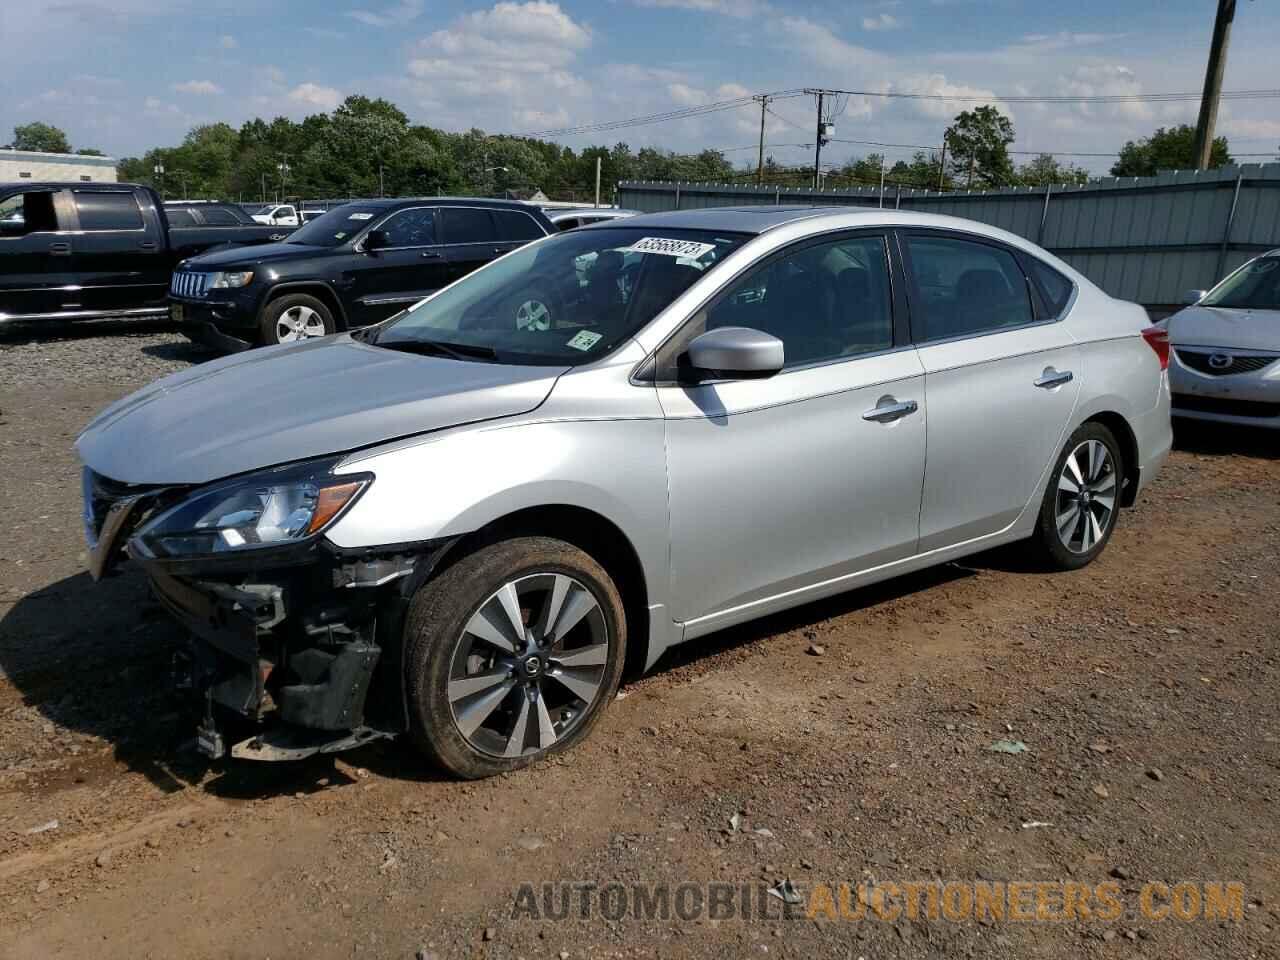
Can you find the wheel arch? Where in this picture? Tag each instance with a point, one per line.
(591, 532)
(1123, 432)
(314, 288)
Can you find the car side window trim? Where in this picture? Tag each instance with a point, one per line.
(646, 372)
(1025, 260)
(915, 302)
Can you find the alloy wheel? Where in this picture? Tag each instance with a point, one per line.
(529, 665)
(299, 323)
(1086, 500)
(533, 315)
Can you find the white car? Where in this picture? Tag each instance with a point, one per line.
(1226, 349)
(277, 214)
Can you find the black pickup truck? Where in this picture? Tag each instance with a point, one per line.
(82, 250)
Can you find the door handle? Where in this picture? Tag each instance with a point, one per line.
(147, 244)
(889, 409)
(430, 255)
(1052, 378)
(499, 251)
(60, 249)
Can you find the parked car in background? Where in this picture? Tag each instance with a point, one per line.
(207, 213)
(85, 250)
(358, 264)
(1226, 349)
(570, 218)
(277, 214)
(458, 524)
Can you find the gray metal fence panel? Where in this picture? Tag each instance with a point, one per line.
(1146, 239)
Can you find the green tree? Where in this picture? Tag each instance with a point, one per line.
(40, 137)
(978, 142)
(1045, 170)
(90, 152)
(1171, 148)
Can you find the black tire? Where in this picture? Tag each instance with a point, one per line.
(1046, 544)
(269, 322)
(438, 614)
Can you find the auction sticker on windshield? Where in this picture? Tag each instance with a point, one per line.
(584, 340)
(360, 216)
(672, 248)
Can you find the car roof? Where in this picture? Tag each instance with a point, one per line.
(389, 202)
(62, 184)
(762, 218)
(563, 213)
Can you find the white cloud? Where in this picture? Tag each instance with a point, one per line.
(882, 21)
(314, 95)
(729, 8)
(197, 87)
(227, 42)
(394, 16)
(514, 57)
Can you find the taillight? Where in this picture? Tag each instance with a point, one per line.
(1158, 340)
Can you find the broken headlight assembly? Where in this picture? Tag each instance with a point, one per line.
(273, 508)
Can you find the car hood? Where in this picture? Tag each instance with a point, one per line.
(1225, 327)
(255, 255)
(279, 404)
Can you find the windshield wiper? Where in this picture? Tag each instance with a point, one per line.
(438, 348)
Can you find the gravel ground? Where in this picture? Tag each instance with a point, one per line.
(848, 741)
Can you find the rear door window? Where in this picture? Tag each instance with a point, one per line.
(516, 227)
(179, 217)
(108, 211)
(964, 288)
(219, 217)
(468, 225)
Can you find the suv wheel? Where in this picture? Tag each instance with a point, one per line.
(1081, 504)
(293, 317)
(512, 654)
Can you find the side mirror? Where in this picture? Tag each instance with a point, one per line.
(736, 352)
(1193, 296)
(375, 240)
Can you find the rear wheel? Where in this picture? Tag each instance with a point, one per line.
(1081, 504)
(511, 655)
(294, 317)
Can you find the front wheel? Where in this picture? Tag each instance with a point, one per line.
(512, 654)
(293, 317)
(1080, 506)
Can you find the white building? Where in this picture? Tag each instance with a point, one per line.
(19, 165)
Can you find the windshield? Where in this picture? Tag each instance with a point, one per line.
(567, 300)
(263, 211)
(1255, 286)
(335, 227)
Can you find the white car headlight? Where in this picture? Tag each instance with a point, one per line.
(268, 509)
(231, 280)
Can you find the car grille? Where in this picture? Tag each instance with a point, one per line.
(1230, 408)
(189, 284)
(1235, 363)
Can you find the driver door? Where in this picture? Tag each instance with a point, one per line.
(783, 488)
(410, 266)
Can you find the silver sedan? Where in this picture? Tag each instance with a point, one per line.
(459, 526)
(1226, 349)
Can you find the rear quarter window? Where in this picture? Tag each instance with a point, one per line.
(1054, 287)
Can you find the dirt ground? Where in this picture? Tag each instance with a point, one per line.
(847, 741)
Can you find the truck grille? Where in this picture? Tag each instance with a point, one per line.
(188, 284)
(1225, 362)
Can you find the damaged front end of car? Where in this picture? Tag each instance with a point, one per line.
(292, 640)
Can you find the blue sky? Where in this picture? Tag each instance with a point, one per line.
(123, 75)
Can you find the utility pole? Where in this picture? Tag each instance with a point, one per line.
(1213, 73)
(763, 99)
(942, 165)
(597, 181)
(817, 146)
(882, 181)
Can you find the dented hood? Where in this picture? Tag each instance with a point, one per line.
(280, 404)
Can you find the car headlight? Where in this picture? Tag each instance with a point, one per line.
(268, 509)
(230, 280)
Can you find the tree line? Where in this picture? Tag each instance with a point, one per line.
(369, 147)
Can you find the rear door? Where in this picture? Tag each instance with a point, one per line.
(515, 229)
(470, 238)
(410, 267)
(1000, 383)
(119, 252)
(36, 264)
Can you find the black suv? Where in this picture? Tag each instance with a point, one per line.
(355, 265)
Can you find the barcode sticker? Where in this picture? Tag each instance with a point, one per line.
(584, 340)
(672, 248)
